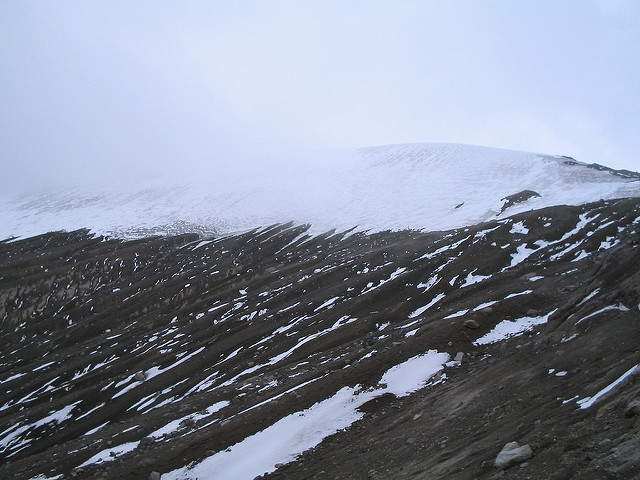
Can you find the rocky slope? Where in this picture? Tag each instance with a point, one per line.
(412, 354)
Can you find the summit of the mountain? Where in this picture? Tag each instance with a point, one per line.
(427, 186)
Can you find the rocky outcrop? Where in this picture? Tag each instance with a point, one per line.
(519, 197)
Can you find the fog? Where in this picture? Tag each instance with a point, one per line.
(107, 92)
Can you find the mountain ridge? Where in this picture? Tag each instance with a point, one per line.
(413, 186)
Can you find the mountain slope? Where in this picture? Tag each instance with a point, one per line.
(420, 186)
(226, 357)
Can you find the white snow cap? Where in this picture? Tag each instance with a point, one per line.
(419, 186)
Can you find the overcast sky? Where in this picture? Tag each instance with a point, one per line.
(129, 89)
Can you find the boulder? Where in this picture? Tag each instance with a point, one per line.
(472, 324)
(512, 454)
(633, 408)
(146, 441)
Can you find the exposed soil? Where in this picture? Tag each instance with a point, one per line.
(130, 336)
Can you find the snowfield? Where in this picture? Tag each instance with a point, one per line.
(416, 186)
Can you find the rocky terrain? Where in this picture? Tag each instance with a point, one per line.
(285, 354)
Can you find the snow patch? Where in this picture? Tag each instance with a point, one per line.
(512, 328)
(519, 228)
(283, 441)
(410, 375)
(457, 314)
(619, 307)
(522, 253)
(590, 401)
(110, 454)
(421, 310)
(511, 295)
(470, 279)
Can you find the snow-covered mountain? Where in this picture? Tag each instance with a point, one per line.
(418, 186)
(509, 312)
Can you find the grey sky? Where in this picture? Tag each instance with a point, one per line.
(126, 89)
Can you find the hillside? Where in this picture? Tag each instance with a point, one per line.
(425, 187)
(372, 355)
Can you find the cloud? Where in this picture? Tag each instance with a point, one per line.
(119, 91)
